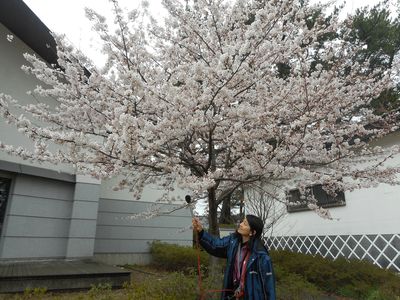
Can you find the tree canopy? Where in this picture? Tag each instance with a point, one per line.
(378, 30)
(199, 102)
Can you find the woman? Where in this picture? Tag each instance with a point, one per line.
(248, 274)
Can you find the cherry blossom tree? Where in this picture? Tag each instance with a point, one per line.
(197, 102)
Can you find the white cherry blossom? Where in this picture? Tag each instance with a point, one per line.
(197, 102)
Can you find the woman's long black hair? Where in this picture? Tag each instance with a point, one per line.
(257, 225)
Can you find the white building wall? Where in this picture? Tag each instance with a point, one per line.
(367, 211)
(367, 227)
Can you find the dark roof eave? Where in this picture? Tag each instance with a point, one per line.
(23, 23)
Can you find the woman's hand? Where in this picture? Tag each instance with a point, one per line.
(197, 225)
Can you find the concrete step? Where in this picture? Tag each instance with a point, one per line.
(59, 275)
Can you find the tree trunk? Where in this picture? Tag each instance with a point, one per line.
(225, 217)
(241, 204)
(213, 227)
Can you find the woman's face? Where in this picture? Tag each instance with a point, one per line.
(244, 228)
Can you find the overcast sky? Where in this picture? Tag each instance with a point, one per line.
(68, 17)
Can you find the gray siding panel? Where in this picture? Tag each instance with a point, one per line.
(130, 219)
(22, 226)
(54, 219)
(85, 210)
(141, 233)
(83, 247)
(35, 171)
(124, 206)
(40, 207)
(88, 192)
(121, 246)
(83, 228)
(118, 231)
(33, 247)
(43, 188)
(38, 219)
(128, 246)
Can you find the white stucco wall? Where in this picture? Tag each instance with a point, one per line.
(367, 211)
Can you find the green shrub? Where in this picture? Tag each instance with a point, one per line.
(349, 278)
(291, 286)
(176, 285)
(390, 290)
(298, 276)
(177, 258)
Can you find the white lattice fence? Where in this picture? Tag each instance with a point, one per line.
(381, 249)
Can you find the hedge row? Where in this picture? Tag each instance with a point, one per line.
(349, 278)
(298, 274)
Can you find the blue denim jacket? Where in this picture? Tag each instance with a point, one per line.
(260, 279)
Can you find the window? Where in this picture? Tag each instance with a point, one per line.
(4, 190)
(298, 202)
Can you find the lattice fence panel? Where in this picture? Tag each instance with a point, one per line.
(382, 250)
